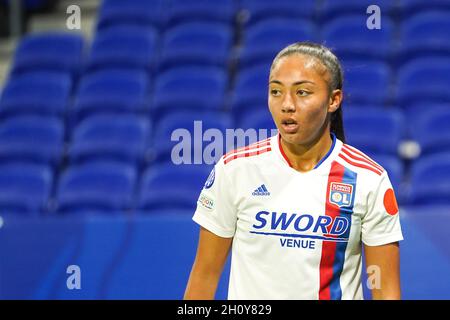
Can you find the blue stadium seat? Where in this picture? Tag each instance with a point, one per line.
(32, 138)
(61, 52)
(124, 47)
(100, 186)
(425, 33)
(185, 88)
(424, 80)
(196, 43)
(330, 9)
(24, 188)
(182, 123)
(250, 88)
(252, 114)
(395, 169)
(111, 91)
(131, 12)
(121, 138)
(258, 120)
(432, 130)
(374, 131)
(263, 40)
(38, 93)
(167, 186)
(415, 112)
(367, 82)
(257, 125)
(430, 180)
(410, 7)
(349, 38)
(257, 10)
(180, 11)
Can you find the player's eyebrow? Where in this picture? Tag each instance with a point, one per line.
(294, 84)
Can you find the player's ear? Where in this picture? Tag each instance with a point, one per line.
(335, 100)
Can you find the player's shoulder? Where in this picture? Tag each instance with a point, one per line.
(359, 162)
(243, 156)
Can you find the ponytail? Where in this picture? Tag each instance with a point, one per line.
(337, 124)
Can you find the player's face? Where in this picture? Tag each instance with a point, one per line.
(299, 98)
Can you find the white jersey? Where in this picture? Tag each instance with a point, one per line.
(298, 235)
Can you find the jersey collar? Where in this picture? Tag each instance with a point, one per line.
(334, 149)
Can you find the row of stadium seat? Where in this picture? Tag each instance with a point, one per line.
(350, 38)
(209, 43)
(100, 186)
(160, 13)
(136, 139)
(163, 12)
(110, 186)
(421, 82)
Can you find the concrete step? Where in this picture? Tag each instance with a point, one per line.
(86, 6)
(7, 47)
(58, 21)
(4, 71)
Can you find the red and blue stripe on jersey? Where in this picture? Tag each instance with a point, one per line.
(358, 159)
(333, 252)
(254, 149)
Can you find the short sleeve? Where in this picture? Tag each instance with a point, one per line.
(381, 223)
(215, 210)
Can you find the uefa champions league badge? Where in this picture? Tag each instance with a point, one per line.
(210, 181)
(341, 194)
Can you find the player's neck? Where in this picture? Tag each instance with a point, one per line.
(305, 157)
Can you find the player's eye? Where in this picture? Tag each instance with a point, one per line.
(275, 92)
(302, 93)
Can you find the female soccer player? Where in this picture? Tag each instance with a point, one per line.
(297, 208)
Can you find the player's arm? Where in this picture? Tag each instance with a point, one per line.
(212, 252)
(384, 262)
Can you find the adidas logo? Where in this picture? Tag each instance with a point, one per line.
(261, 191)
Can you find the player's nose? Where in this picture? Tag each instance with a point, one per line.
(288, 104)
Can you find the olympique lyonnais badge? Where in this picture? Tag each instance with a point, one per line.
(341, 194)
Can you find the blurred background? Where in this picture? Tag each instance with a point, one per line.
(91, 91)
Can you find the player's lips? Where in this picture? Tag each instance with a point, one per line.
(289, 125)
